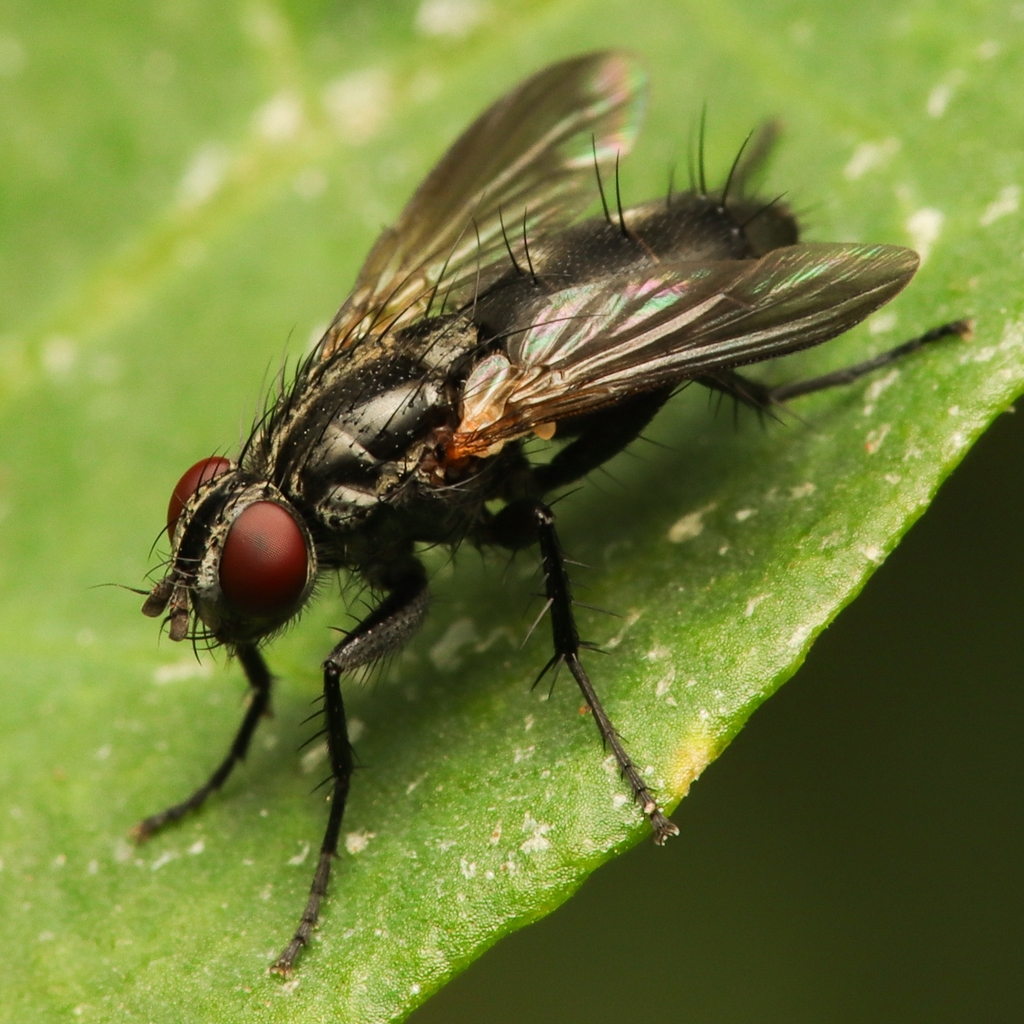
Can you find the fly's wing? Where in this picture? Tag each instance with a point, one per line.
(527, 162)
(586, 346)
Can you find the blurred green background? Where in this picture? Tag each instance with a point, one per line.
(854, 855)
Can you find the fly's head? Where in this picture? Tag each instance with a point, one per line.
(242, 559)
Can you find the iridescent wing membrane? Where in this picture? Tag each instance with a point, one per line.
(527, 162)
(590, 344)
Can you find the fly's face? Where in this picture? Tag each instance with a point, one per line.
(242, 561)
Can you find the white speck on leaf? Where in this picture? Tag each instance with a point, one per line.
(941, 94)
(744, 514)
(873, 554)
(869, 155)
(875, 438)
(300, 857)
(938, 99)
(59, 355)
(924, 227)
(313, 757)
(804, 490)
(358, 103)
(956, 442)
(204, 175)
(799, 637)
(356, 842)
(104, 752)
(165, 858)
(454, 19)
(753, 603)
(179, 671)
(197, 847)
(665, 682)
(1007, 202)
(445, 653)
(877, 387)
(690, 525)
(882, 323)
(631, 620)
(988, 48)
(280, 118)
(538, 829)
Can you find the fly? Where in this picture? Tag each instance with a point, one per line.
(488, 314)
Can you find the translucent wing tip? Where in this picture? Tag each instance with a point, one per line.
(614, 85)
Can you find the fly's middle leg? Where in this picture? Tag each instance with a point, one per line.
(533, 519)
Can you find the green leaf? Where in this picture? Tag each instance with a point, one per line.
(186, 192)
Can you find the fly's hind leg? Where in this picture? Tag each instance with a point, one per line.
(764, 399)
(260, 681)
(382, 632)
(528, 521)
(958, 328)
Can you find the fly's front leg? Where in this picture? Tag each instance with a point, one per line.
(383, 632)
(512, 527)
(260, 681)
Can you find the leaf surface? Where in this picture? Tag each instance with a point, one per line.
(187, 193)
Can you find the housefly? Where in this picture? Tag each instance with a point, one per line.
(489, 314)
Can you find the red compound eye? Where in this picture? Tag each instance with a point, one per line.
(265, 562)
(202, 471)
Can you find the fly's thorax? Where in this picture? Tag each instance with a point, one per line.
(243, 561)
(363, 431)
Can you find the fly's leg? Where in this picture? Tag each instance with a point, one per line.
(959, 328)
(260, 681)
(528, 520)
(763, 398)
(598, 437)
(383, 632)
